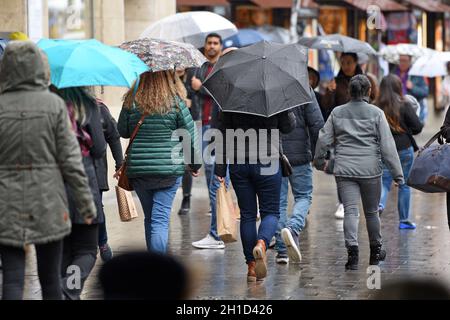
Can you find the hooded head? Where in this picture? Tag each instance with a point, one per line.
(23, 68)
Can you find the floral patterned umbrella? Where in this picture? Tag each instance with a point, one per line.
(162, 55)
(392, 53)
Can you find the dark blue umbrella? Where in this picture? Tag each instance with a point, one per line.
(244, 38)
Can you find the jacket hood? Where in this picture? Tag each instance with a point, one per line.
(23, 67)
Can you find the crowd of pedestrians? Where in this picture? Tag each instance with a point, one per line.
(53, 167)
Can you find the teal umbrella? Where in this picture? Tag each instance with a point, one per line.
(79, 63)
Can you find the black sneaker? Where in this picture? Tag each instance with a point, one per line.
(353, 258)
(106, 253)
(282, 258)
(185, 205)
(290, 239)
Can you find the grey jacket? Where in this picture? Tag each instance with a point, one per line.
(363, 141)
(38, 152)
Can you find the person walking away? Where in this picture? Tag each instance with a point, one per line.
(299, 147)
(209, 112)
(194, 108)
(362, 138)
(413, 85)
(337, 93)
(403, 123)
(112, 137)
(152, 168)
(80, 247)
(253, 186)
(38, 154)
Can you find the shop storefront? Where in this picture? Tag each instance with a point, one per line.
(221, 7)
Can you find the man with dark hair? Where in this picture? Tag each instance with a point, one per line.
(209, 112)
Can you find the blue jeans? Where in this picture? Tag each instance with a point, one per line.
(213, 185)
(404, 191)
(157, 206)
(423, 115)
(248, 183)
(302, 189)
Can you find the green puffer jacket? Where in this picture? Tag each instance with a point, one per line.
(157, 150)
(38, 153)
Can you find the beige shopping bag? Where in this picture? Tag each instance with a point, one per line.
(125, 202)
(226, 215)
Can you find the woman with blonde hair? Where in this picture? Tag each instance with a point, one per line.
(153, 167)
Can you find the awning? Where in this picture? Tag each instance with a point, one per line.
(430, 5)
(384, 5)
(206, 3)
(283, 4)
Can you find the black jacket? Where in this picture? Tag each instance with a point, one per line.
(446, 127)
(112, 137)
(93, 126)
(411, 124)
(299, 145)
(195, 98)
(285, 122)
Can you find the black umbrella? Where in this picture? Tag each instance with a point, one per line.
(263, 79)
(338, 42)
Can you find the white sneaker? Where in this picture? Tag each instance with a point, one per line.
(209, 242)
(339, 214)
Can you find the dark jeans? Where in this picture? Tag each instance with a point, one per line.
(252, 189)
(102, 233)
(79, 256)
(48, 263)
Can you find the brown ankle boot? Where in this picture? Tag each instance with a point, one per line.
(251, 274)
(259, 252)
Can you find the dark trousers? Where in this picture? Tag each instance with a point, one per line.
(187, 183)
(253, 188)
(79, 256)
(102, 233)
(48, 263)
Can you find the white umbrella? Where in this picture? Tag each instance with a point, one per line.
(392, 53)
(190, 27)
(434, 65)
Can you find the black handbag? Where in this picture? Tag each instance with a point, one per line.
(286, 168)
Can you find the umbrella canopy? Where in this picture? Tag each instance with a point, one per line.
(434, 65)
(190, 27)
(338, 42)
(263, 79)
(90, 63)
(162, 55)
(392, 53)
(244, 38)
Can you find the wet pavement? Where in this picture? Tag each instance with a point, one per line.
(221, 274)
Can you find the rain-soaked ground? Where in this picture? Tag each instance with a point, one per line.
(221, 274)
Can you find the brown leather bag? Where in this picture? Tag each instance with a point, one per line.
(123, 182)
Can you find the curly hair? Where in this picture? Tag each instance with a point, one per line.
(156, 92)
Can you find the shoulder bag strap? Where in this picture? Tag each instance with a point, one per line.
(433, 138)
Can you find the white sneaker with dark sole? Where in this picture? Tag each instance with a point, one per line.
(291, 245)
(209, 243)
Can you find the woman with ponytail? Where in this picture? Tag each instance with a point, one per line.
(404, 123)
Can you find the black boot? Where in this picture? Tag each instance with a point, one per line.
(353, 256)
(376, 255)
(185, 205)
